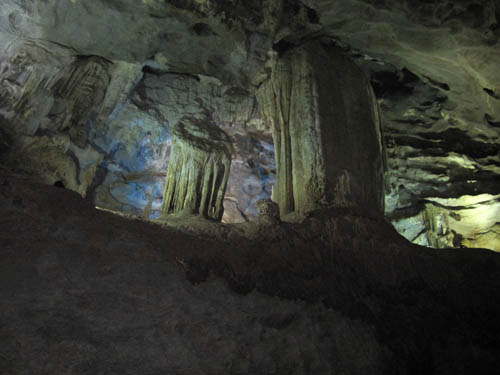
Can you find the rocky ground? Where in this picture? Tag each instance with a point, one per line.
(84, 291)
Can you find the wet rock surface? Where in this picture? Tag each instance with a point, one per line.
(83, 291)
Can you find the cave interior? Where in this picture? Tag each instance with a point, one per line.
(249, 187)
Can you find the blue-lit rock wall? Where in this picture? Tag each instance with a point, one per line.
(135, 141)
(102, 128)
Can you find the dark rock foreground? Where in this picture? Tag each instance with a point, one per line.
(84, 291)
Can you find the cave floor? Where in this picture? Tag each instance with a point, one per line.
(83, 291)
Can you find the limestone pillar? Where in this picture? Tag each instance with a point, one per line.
(198, 169)
(326, 132)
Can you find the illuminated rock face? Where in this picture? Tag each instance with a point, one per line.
(326, 132)
(104, 129)
(198, 170)
(443, 173)
(468, 221)
(434, 68)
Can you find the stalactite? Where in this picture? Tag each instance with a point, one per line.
(83, 84)
(69, 97)
(198, 169)
(326, 132)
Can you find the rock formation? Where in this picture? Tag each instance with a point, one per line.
(199, 168)
(326, 132)
(432, 66)
(100, 99)
(136, 140)
(50, 100)
(269, 212)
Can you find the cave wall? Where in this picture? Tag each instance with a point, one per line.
(117, 150)
(94, 112)
(126, 141)
(442, 180)
(138, 141)
(47, 100)
(434, 69)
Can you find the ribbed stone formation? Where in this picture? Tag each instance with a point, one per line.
(326, 132)
(198, 170)
(92, 109)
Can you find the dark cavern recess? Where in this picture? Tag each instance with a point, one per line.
(249, 187)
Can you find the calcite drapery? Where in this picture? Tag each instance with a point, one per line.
(62, 99)
(198, 169)
(84, 85)
(326, 132)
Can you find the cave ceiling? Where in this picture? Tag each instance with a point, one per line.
(140, 66)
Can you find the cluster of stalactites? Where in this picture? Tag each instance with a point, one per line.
(198, 169)
(68, 98)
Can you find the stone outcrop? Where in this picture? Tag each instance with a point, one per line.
(269, 212)
(326, 132)
(198, 170)
(38, 98)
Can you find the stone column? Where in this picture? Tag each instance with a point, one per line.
(326, 132)
(198, 169)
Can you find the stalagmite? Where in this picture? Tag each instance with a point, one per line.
(326, 132)
(198, 169)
